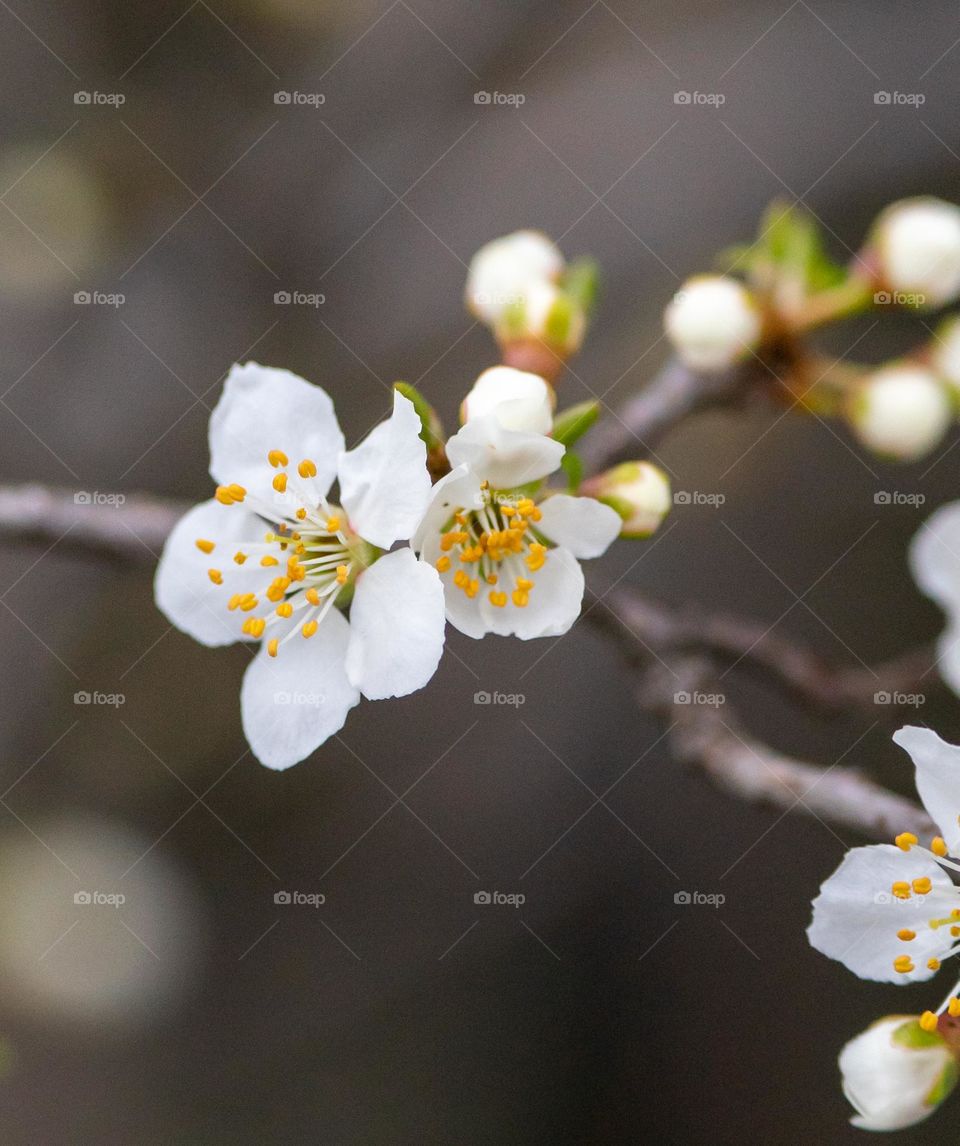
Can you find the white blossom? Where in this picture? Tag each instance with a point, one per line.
(917, 242)
(712, 322)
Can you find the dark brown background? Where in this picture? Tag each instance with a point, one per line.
(601, 1011)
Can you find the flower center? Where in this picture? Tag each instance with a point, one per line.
(495, 545)
(310, 558)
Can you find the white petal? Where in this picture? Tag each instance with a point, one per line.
(505, 458)
(935, 564)
(293, 702)
(396, 626)
(384, 483)
(581, 524)
(183, 589)
(553, 606)
(519, 400)
(263, 409)
(937, 779)
(856, 917)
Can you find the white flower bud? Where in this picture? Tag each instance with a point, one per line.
(895, 1074)
(712, 322)
(504, 270)
(638, 491)
(917, 242)
(901, 412)
(552, 317)
(945, 353)
(518, 400)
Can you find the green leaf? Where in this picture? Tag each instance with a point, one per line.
(792, 246)
(581, 281)
(571, 424)
(573, 468)
(431, 431)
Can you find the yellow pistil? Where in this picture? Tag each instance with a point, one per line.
(938, 845)
(215, 576)
(333, 524)
(903, 964)
(906, 934)
(272, 646)
(905, 841)
(928, 1021)
(901, 889)
(205, 546)
(310, 628)
(922, 886)
(277, 458)
(280, 483)
(307, 468)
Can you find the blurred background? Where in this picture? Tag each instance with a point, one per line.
(165, 171)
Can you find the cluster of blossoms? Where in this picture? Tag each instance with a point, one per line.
(346, 592)
(901, 409)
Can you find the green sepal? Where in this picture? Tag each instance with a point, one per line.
(560, 321)
(431, 428)
(581, 282)
(912, 1035)
(572, 465)
(944, 1084)
(571, 424)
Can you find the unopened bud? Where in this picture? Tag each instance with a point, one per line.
(896, 1073)
(713, 321)
(917, 245)
(638, 491)
(900, 412)
(518, 400)
(502, 272)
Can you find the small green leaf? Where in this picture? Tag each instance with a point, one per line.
(573, 468)
(571, 424)
(581, 282)
(431, 432)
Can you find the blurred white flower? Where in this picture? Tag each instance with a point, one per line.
(502, 272)
(519, 400)
(901, 412)
(270, 559)
(935, 564)
(917, 243)
(896, 1074)
(638, 491)
(712, 322)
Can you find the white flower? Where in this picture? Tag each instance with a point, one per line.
(895, 1073)
(638, 491)
(918, 246)
(520, 401)
(502, 272)
(945, 354)
(935, 564)
(508, 560)
(889, 912)
(545, 313)
(901, 412)
(712, 321)
(270, 559)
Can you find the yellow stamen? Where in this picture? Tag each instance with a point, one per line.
(255, 626)
(223, 495)
(342, 573)
(301, 514)
(922, 886)
(285, 609)
(280, 483)
(901, 889)
(498, 599)
(333, 524)
(905, 841)
(310, 628)
(312, 596)
(237, 492)
(215, 576)
(278, 588)
(933, 964)
(272, 645)
(938, 845)
(953, 1007)
(248, 601)
(239, 557)
(307, 468)
(443, 564)
(277, 458)
(205, 546)
(903, 964)
(928, 1020)
(906, 934)
(520, 599)
(268, 561)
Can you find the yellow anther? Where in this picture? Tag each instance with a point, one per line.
(285, 609)
(312, 596)
(443, 564)
(933, 964)
(955, 914)
(301, 513)
(278, 588)
(905, 841)
(955, 931)
(205, 546)
(903, 964)
(901, 889)
(491, 578)
(255, 626)
(234, 602)
(239, 557)
(524, 585)
(953, 1007)
(520, 599)
(472, 588)
(498, 599)
(928, 1020)
(938, 845)
(215, 576)
(268, 561)
(922, 886)
(237, 492)
(536, 557)
(280, 483)
(536, 514)
(342, 574)
(333, 524)
(248, 601)
(223, 495)
(508, 510)
(460, 579)
(307, 468)
(310, 628)
(906, 934)
(277, 458)
(460, 519)
(272, 645)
